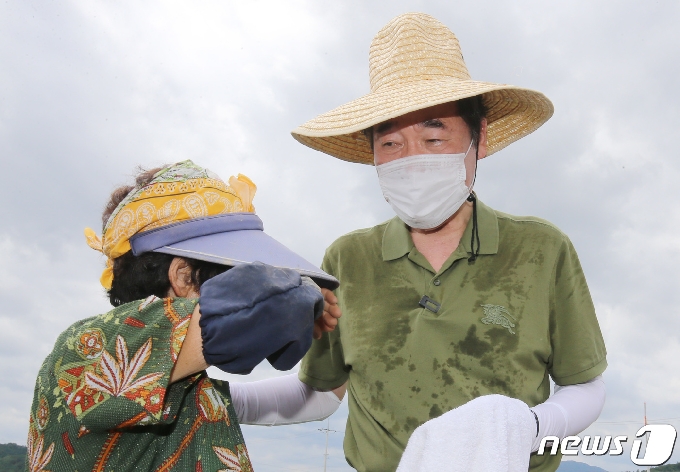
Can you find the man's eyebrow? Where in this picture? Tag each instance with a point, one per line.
(433, 123)
(386, 126)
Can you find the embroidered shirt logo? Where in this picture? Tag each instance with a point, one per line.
(498, 315)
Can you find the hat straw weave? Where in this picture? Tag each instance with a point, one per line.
(415, 62)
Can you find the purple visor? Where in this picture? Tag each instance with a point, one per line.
(230, 239)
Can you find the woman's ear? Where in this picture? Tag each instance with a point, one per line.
(181, 284)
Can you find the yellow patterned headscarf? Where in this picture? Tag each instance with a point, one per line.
(176, 193)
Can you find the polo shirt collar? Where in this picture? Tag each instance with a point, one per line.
(397, 240)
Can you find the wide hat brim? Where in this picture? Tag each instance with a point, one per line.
(512, 113)
(229, 239)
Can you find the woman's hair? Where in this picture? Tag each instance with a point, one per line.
(138, 277)
(142, 179)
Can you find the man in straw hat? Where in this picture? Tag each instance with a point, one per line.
(127, 390)
(455, 316)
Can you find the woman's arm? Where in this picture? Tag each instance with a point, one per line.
(190, 359)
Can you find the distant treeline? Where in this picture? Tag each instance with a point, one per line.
(662, 468)
(12, 457)
(668, 468)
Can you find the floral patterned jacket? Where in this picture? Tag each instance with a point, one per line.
(102, 400)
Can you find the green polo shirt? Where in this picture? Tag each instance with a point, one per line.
(502, 324)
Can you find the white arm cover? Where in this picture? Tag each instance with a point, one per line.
(281, 400)
(569, 410)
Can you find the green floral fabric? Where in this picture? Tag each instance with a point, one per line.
(103, 402)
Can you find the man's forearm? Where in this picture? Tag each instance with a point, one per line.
(281, 400)
(570, 410)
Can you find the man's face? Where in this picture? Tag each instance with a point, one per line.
(435, 130)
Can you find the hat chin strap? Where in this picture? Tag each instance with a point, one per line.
(475, 228)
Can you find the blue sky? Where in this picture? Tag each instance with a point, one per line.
(91, 89)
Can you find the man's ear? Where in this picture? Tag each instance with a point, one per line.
(483, 144)
(179, 275)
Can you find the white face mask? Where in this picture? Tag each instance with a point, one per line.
(427, 189)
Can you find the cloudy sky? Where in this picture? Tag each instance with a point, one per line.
(91, 89)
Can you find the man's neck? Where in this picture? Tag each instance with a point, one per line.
(439, 243)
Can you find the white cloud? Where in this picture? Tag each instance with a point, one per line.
(42, 291)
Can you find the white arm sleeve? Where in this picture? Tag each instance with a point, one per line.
(570, 410)
(281, 400)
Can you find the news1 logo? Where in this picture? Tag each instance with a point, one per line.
(660, 444)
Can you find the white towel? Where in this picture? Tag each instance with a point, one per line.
(492, 433)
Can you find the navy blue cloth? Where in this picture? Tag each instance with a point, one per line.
(254, 312)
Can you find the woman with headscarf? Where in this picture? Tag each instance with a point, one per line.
(128, 389)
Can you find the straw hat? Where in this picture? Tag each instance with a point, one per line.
(415, 62)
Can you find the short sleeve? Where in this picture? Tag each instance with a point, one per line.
(323, 367)
(113, 370)
(579, 352)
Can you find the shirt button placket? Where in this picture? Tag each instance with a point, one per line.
(434, 293)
